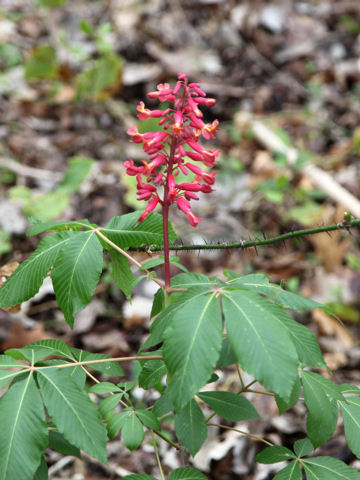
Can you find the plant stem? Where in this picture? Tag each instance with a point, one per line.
(158, 458)
(129, 257)
(101, 360)
(165, 211)
(250, 435)
(170, 442)
(242, 244)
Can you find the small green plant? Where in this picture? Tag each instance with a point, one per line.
(45, 207)
(199, 324)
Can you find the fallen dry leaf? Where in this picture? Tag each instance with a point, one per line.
(5, 272)
(330, 326)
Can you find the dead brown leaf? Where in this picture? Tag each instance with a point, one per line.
(5, 272)
(331, 327)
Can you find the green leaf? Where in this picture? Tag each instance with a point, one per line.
(53, 347)
(139, 476)
(116, 422)
(110, 402)
(351, 414)
(132, 431)
(316, 391)
(328, 468)
(25, 282)
(260, 341)
(42, 472)
(23, 433)
(42, 63)
(76, 273)
(58, 443)
(151, 373)
(305, 342)
(104, 387)
(41, 227)
(186, 474)
(97, 82)
(188, 280)
(108, 368)
(158, 303)
(294, 397)
(259, 283)
(227, 354)
(148, 419)
(303, 447)
(6, 376)
(320, 433)
(190, 427)
(7, 361)
(191, 347)
(79, 168)
(347, 389)
(229, 405)
(125, 232)
(121, 273)
(51, 3)
(163, 406)
(274, 454)
(161, 322)
(31, 354)
(290, 472)
(73, 412)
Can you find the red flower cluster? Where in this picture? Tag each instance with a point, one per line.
(169, 149)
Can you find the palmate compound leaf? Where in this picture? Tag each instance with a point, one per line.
(76, 273)
(25, 282)
(191, 348)
(23, 432)
(190, 427)
(328, 468)
(72, 411)
(350, 410)
(261, 342)
(125, 232)
(229, 405)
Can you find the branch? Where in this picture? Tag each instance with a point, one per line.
(319, 177)
(242, 244)
(24, 170)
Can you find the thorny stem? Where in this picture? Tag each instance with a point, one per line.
(242, 244)
(250, 435)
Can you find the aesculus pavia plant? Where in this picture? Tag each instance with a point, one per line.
(200, 326)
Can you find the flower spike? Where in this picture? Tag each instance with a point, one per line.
(168, 149)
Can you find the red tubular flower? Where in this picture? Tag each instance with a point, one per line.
(182, 126)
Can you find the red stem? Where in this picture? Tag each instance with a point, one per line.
(166, 205)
